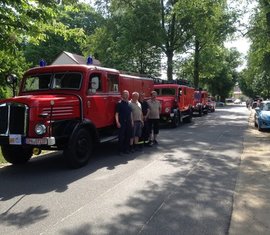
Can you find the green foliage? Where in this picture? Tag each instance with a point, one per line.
(210, 23)
(2, 160)
(218, 69)
(80, 20)
(255, 80)
(127, 40)
(10, 63)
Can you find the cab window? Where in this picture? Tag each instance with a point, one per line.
(113, 83)
(94, 84)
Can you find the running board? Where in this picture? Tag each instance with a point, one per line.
(108, 138)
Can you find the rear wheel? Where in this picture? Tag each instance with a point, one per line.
(17, 154)
(80, 148)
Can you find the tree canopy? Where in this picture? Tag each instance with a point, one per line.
(185, 38)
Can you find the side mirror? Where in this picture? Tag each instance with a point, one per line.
(12, 80)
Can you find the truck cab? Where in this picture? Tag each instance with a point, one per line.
(176, 102)
(64, 107)
(200, 105)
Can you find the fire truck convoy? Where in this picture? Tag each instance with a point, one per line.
(72, 108)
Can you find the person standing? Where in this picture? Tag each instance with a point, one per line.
(154, 115)
(124, 121)
(145, 112)
(137, 120)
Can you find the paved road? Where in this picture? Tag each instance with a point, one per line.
(185, 185)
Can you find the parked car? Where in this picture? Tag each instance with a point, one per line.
(237, 101)
(262, 116)
(220, 104)
(211, 104)
(229, 100)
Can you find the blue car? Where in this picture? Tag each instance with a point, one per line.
(262, 116)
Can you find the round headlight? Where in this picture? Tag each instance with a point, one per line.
(40, 129)
(167, 110)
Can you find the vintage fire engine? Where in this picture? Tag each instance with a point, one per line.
(176, 102)
(64, 107)
(200, 105)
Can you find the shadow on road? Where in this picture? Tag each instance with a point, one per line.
(198, 196)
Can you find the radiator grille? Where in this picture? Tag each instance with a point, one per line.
(13, 119)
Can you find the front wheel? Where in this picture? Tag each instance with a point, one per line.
(176, 120)
(17, 154)
(80, 148)
(259, 126)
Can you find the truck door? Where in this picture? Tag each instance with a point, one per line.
(114, 96)
(96, 100)
(182, 95)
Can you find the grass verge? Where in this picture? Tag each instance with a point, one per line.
(2, 160)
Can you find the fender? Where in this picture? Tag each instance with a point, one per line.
(89, 125)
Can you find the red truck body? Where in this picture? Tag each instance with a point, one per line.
(64, 107)
(200, 105)
(176, 102)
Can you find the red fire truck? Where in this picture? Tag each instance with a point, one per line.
(200, 105)
(176, 103)
(64, 107)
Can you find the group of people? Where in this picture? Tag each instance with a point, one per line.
(137, 120)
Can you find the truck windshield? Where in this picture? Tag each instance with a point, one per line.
(66, 80)
(166, 91)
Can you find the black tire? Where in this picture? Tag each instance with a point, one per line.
(259, 127)
(200, 112)
(188, 119)
(255, 124)
(17, 155)
(80, 148)
(176, 120)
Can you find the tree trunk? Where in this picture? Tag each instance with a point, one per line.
(196, 64)
(169, 55)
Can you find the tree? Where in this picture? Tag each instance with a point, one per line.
(80, 20)
(210, 24)
(256, 79)
(24, 22)
(127, 40)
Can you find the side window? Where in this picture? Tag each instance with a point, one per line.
(113, 83)
(94, 84)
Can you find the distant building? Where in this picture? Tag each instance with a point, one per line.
(70, 58)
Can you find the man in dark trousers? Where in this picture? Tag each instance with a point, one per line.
(124, 122)
(145, 111)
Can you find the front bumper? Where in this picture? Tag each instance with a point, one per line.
(264, 124)
(22, 140)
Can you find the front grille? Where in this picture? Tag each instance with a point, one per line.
(13, 119)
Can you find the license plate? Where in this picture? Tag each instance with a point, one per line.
(36, 141)
(15, 139)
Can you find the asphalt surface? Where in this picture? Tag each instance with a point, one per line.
(191, 183)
